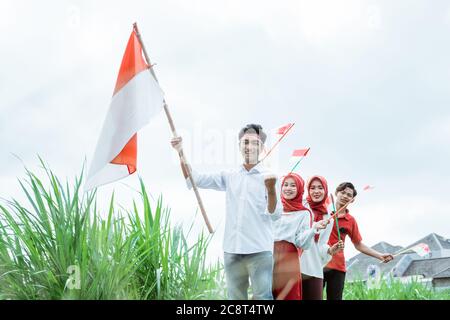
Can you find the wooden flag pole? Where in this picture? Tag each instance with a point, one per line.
(339, 211)
(174, 133)
(286, 289)
(402, 252)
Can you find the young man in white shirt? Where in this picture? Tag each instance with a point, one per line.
(251, 207)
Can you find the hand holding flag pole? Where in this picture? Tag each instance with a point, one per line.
(340, 210)
(174, 133)
(422, 249)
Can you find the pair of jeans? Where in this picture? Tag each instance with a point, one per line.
(256, 266)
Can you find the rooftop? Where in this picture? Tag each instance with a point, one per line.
(406, 264)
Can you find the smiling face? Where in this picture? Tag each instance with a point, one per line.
(289, 189)
(316, 190)
(344, 196)
(250, 146)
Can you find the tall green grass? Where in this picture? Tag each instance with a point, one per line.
(132, 254)
(393, 289)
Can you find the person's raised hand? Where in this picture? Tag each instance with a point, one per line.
(269, 181)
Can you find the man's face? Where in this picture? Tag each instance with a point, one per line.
(344, 196)
(250, 146)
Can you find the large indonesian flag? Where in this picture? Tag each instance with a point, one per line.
(136, 99)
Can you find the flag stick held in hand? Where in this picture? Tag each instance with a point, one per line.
(174, 133)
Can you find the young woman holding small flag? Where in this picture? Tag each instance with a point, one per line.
(293, 233)
(316, 257)
(334, 272)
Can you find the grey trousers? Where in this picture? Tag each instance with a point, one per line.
(256, 266)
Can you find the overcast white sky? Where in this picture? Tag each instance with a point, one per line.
(367, 83)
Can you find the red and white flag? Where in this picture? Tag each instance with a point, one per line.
(368, 187)
(298, 154)
(283, 129)
(136, 99)
(422, 249)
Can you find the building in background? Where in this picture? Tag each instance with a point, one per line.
(433, 269)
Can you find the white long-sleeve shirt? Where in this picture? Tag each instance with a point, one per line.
(295, 227)
(248, 223)
(316, 256)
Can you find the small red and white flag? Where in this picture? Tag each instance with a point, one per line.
(283, 129)
(298, 154)
(136, 99)
(422, 249)
(368, 187)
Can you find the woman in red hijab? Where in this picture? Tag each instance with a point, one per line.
(317, 256)
(293, 232)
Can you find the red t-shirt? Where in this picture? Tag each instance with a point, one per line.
(347, 227)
